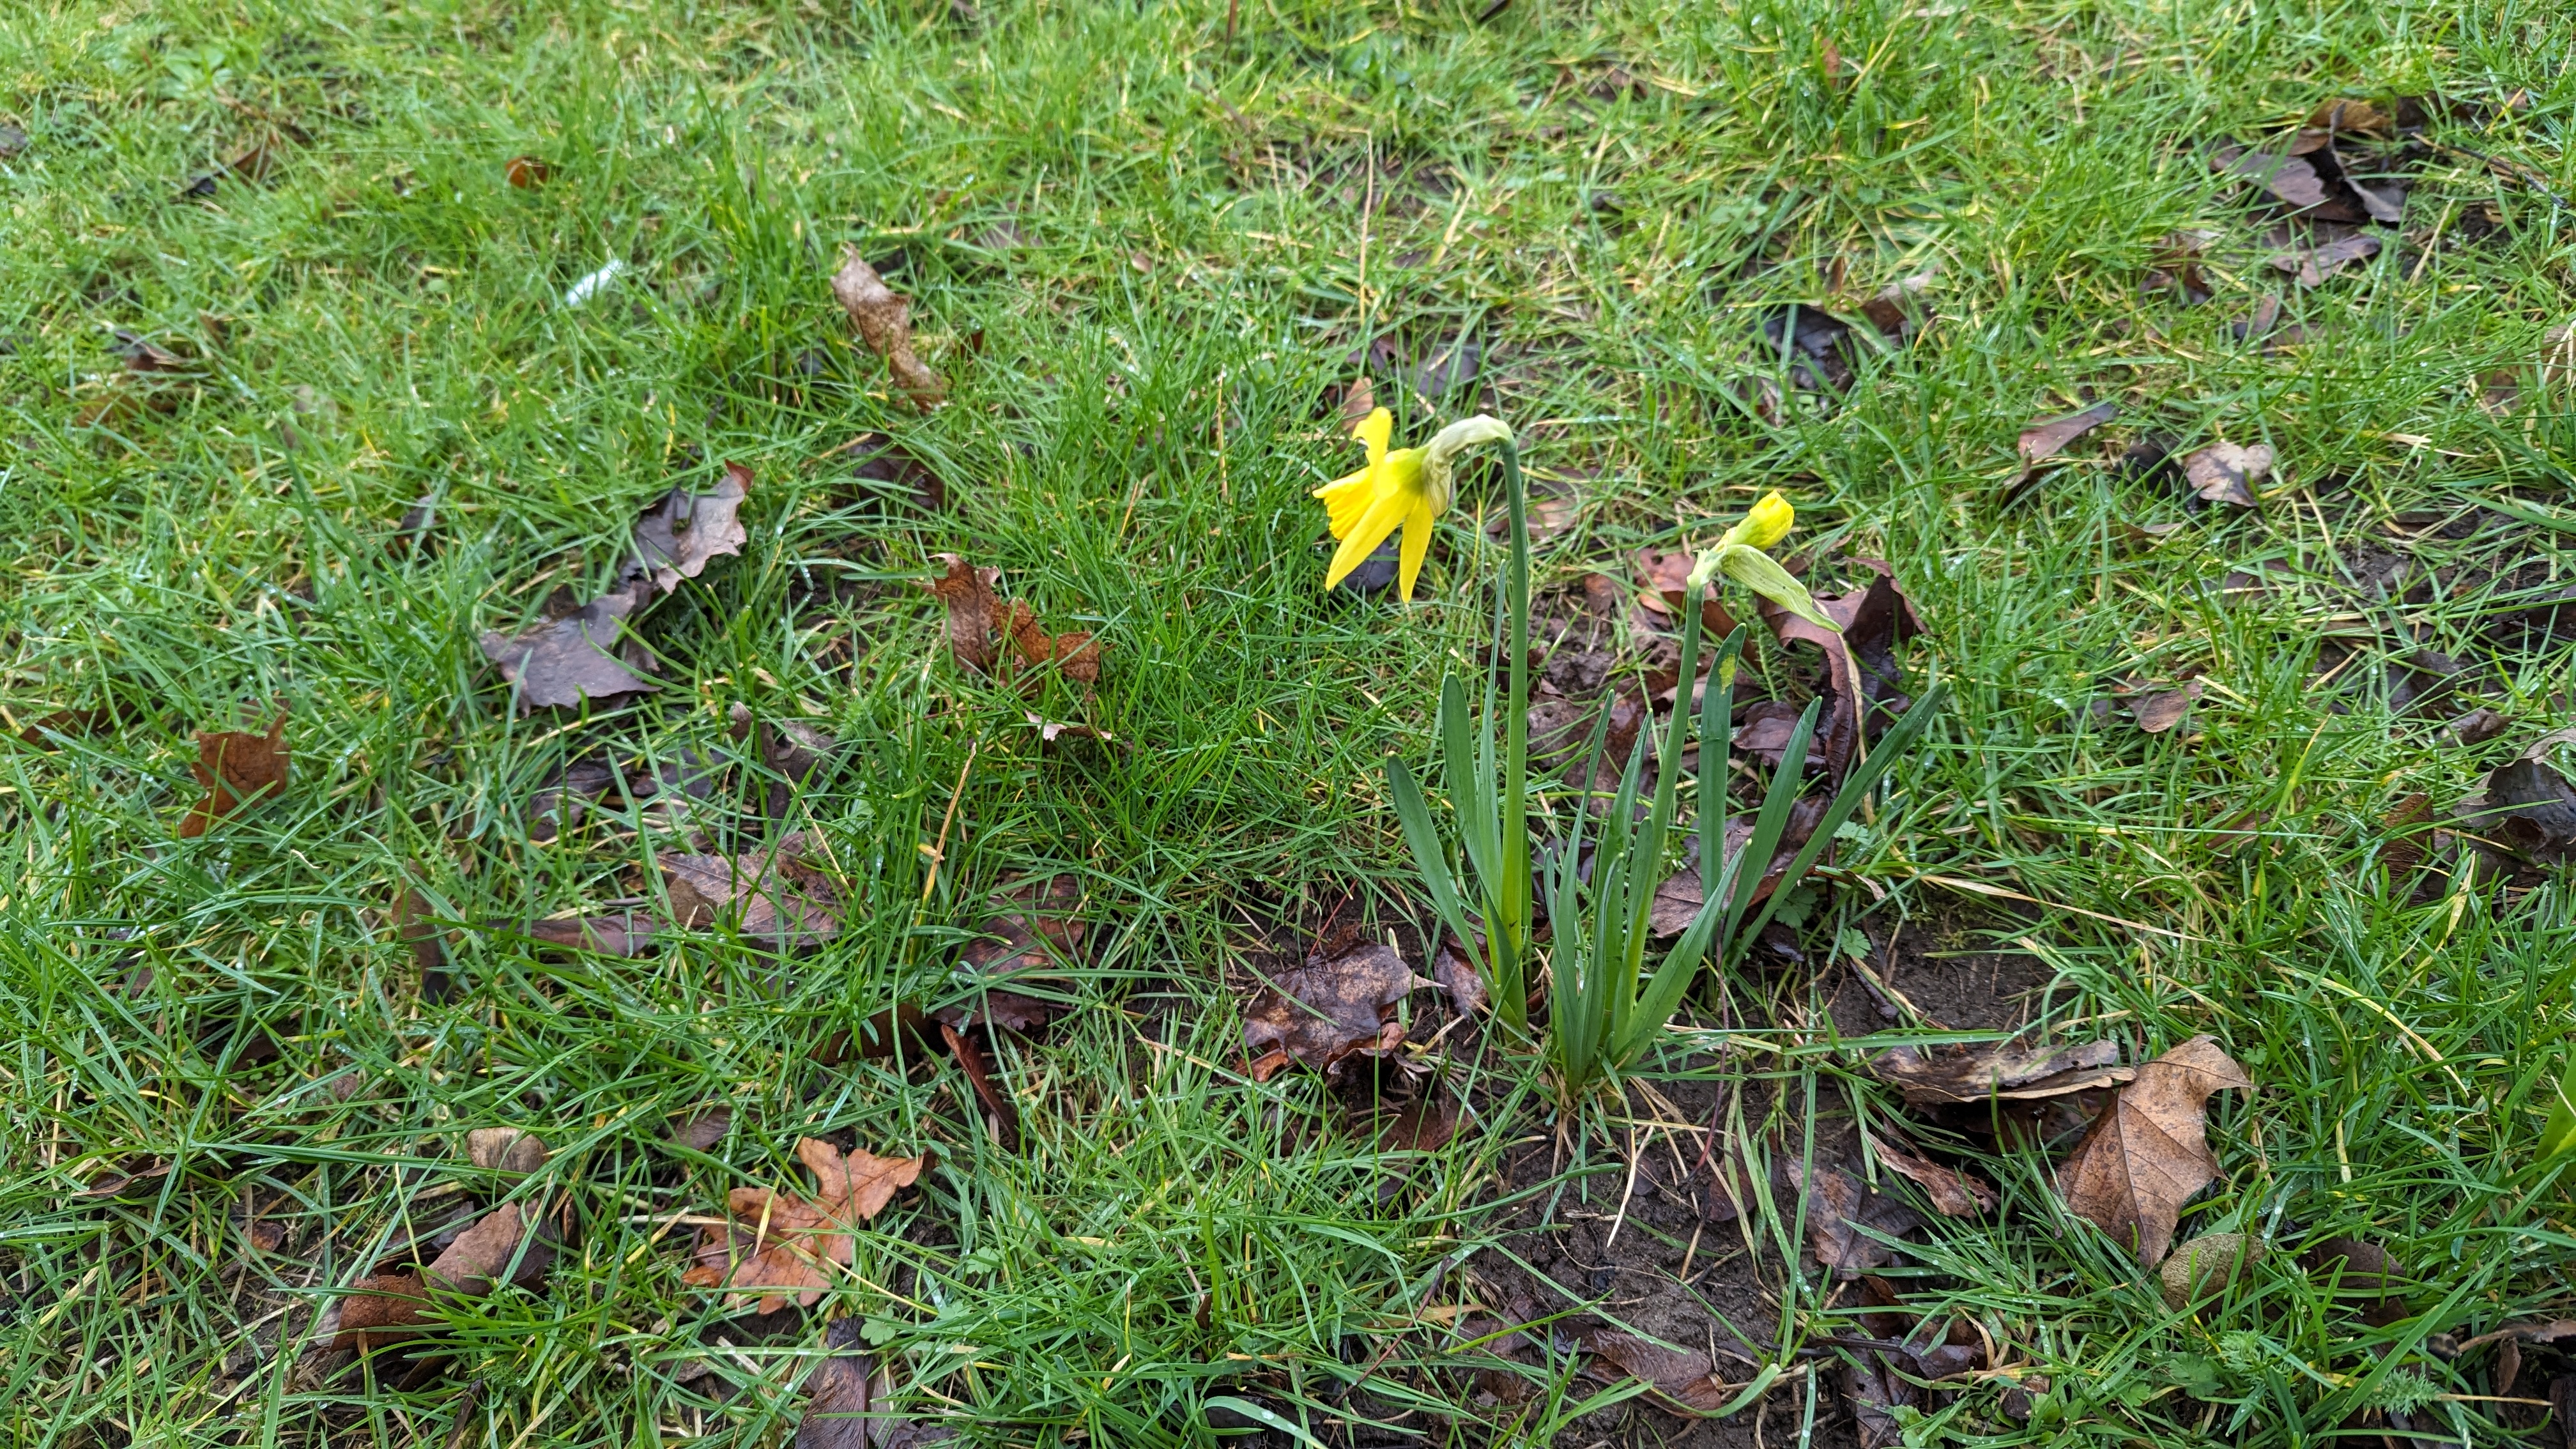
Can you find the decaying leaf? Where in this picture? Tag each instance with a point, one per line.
(2146, 1156)
(781, 895)
(418, 929)
(236, 769)
(778, 1246)
(884, 319)
(1861, 674)
(1323, 1012)
(791, 750)
(2527, 805)
(974, 611)
(849, 1401)
(1998, 1070)
(1954, 1194)
(1075, 655)
(2289, 178)
(2207, 1265)
(2047, 437)
(2159, 712)
(701, 1130)
(527, 173)
(567, 660)
(2358, 118)
(1457, 975)
(1035, 915)
(1874, 1391)
(1003, 1114)
(677, 537)
(1839, 1207)
(2314, 264)
(1897, 309)
(2227, 472)
(389, 1306)
(626, 933)
(1680, 1380)
(890, 469)
(505, 1149)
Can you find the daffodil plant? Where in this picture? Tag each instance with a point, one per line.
(1604, 1009)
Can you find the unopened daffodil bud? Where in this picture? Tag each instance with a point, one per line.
(1739, 555)
(1767, 523)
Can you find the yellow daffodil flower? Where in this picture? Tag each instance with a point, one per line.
(1405, 487)
(1739, 555)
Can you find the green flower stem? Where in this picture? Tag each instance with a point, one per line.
(1511, 957)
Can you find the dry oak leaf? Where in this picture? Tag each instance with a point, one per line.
(884, 320)
(974, 611)
(1999, 1070)
(1076, 655)
(677, 537)
(777, 1245)
(2144, 1157)
(2227, 473)
(236, 768)
(1322, 1012)
(2313, 265)
(566, 661)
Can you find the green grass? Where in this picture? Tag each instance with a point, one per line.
(1119, 225)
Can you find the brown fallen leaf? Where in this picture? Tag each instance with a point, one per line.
(893, 471)
(2314, 264)
(1359, 399)
(1323, 1012)
(1861, 675)
(1838, 1207)
(236, 769)
(1075, 655)
(2145, 1157)
(566, 660)
(2047, 437)
(2289, 178)
(1875, 1390)
(387, 1307)
(1037, 919)
(974, 611)
(1680, 1381)
(1897, 309)
(849, 1401)
(700, 1131)
(2157, 713)
(2527, 805)
(1954, 1194)
(1998, 1070)
(1000, 1111)
(627, 933)
(677, 537)
(2227, 473)
(789, 749)
(1667, 580)
(777, 1245)
(1455, 974)
(776, 895)
(527, 173)
(72, 723)
(2358, 118)
(884, 319)
(505, 1149)
(416, 926)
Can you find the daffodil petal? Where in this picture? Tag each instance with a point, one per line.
(1417, 546)
(1385, 511)
(1345, 499)
(1374, 430)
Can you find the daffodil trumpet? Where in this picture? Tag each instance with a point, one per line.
(1406, 488)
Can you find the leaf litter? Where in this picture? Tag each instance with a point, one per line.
(883, 318)
(777, 1245)
(2146, 1156)
(236, 769)
(1329, 1009)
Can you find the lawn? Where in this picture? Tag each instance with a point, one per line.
(348, 351)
